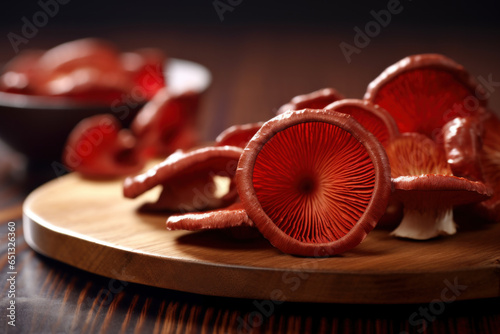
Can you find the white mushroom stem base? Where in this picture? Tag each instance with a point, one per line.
(424, 224)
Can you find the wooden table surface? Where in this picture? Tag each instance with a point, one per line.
(255, 70)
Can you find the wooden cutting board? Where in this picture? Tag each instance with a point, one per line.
(88, 224)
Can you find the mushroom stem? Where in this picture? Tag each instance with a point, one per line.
(426, 223)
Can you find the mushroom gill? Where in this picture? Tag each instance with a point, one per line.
(423, 181)
(314, 182)
(423, 92)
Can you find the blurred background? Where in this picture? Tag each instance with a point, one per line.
(262, 53)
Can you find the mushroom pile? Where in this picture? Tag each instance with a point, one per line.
(99, 148)
(87, 70)
(319, 176)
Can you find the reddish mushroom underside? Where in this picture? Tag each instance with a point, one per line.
(423, 181)
(314, 182)
(423, 92)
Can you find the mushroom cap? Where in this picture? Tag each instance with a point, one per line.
(422, 178)
(423, 92)
(232, 216)
(185, 165)
(98, 147)
(22, 73)
(86, 52)
(146, 68)
(314, 182)
(164, 120)
(372, 117)
(238, 135)
(431, 191)
(490, 161)
(314, 100)
(462, 141)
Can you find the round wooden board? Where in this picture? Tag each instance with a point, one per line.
(88, 224)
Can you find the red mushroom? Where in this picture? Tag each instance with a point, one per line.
(372, 117)
(98, 147)
(87, 52)
(381, 124)
(314, 182)
(191, 181)
(231, 216)
(238, 135)
(423, 92)
(462, 141)
(89, 85)
(490, 162)
(22, 74)
(233, 220)
(423, 181)
(315, 100)
(88, 68)
(146, 68)
(166, 123)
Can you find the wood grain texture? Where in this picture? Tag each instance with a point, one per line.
(56, 298)
(90, 225)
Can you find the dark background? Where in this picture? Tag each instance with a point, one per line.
(467, 31)
(315, 12)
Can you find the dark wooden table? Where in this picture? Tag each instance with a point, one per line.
(255, 70)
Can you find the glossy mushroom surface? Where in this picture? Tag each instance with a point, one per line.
(490, 163)
(462, 142)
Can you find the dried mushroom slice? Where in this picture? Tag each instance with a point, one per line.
(314, 182)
